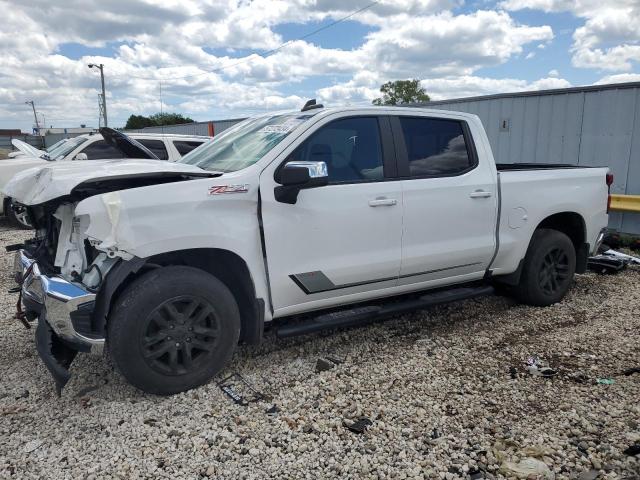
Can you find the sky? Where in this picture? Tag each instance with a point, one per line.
(217, 59)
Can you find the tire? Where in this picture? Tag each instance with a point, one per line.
(17, 215)
(548, 269)
(166, 317)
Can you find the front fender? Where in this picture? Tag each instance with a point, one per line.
(147, 221)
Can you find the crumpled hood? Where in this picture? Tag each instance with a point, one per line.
(57, 179)
(26, 148)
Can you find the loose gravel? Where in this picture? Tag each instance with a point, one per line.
(446, 390)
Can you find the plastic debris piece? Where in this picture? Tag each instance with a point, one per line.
(234, 384)
(633, 450)
(606, 381)
(323, 365)
(631, 371)
(605, 264)
(622, 256)
(272, 410)
(536, 367)
(359, 426)
(528, 467)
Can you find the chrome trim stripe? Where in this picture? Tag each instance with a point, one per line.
(318, 282)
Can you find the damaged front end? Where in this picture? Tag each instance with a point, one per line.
(66, 277)
(61, 309)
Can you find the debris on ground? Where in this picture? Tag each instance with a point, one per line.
(604, 264)
(631, 371)
(323, 365)
(605, 381)
(238, 389)
(622, 256)
(527, 468)
(272, 410)
(359, 426)
(538, 367)
(632, 450)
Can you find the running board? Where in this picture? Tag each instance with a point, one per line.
(372, 313)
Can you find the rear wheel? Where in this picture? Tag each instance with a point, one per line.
(17, 215)
(173, 329)
(548, 268)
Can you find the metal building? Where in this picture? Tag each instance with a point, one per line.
(595, 126)
(210, 128)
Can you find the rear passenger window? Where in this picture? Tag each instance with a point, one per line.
(156, 146)
(435, 146)
(185, 146)
(350, 147)
(100, 149)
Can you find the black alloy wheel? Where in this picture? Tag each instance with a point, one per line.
(554, 271)
(179, 335)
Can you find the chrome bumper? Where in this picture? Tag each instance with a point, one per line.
(599, 240)
(57, 299)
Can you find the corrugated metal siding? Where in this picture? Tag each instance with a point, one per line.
(591, 127)
(196, 128)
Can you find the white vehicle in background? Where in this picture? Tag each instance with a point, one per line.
(23, 149)
(91, 146)
(334, 216)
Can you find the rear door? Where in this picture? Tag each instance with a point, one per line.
(450, 202)
(340, 242)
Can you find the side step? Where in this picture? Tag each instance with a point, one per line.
(372, 313)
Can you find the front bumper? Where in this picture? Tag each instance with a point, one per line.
(55, 300)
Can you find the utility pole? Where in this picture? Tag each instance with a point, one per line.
(35, 116)
(104, 96)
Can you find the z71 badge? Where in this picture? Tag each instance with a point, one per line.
(220, 189)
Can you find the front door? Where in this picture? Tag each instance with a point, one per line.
(341, 241)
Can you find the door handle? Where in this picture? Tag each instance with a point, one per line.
(480, 194)
(383, 202)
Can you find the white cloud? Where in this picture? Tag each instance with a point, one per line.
(554, 73)
(609, 38)
(619, 78)
(154, 39)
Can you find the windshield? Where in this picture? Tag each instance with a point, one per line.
(51, 148)
(65, 148)
(244, 144)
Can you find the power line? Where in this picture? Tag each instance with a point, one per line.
(268, 53)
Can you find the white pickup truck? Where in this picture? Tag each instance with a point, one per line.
(338, 216)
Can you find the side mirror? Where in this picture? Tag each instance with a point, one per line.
(295, 176)
(81, 156)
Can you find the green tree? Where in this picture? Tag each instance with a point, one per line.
(401, 92)
(159, 119)
(138, 121)
(156, 120)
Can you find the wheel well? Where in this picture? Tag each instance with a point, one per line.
(572, 225)
(228, 267)
(569, 223)
(231, 270)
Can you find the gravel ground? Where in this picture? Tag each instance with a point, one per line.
(446, 390)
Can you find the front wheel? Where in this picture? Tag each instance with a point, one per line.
(548, 270)
(173, 329)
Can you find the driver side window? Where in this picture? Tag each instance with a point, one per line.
(350, 147)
